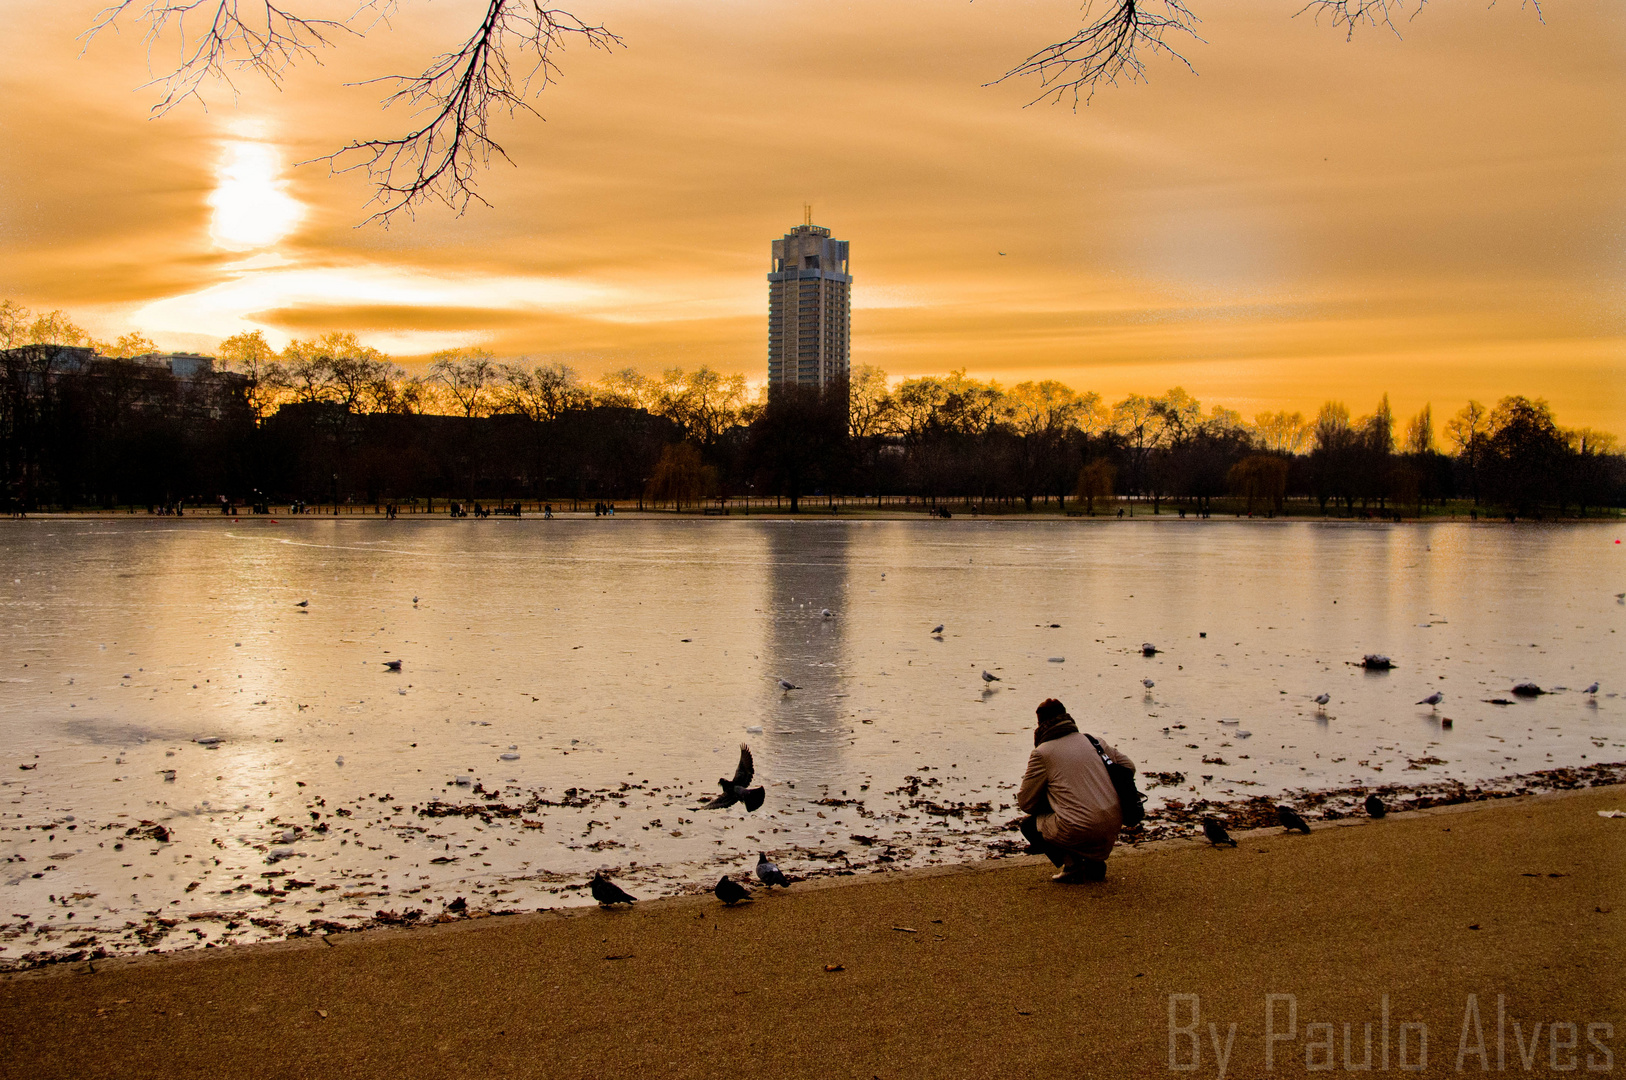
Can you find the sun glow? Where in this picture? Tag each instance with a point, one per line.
(251, 208)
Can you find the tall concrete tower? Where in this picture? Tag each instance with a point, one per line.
(809, 313)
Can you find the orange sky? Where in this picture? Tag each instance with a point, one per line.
(1438, 217)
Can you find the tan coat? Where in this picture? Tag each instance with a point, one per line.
(1084, 815)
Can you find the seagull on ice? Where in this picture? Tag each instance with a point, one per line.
(393, 665)
(987, 677)
(1215, 832)
(736, 790)
(1593, 690)
(1148, 683)
(303, 603)
(787, 686)
(938, 629)
(1375, 807)
(827, 614)
(1291, 821)
(730, 891)
(1433, 700)
(768, 873)
(1322, 698)
(607, 892)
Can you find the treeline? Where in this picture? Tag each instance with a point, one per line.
(330, 419)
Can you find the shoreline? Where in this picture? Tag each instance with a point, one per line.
(845, 513)
(1174, 823)
(980, 970)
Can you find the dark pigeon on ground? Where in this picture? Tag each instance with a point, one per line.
(1291, 821)
(730, 891)
(393, 665)
(1216, 832)
(736, 790)
(303, 603)
(1375, 807)
(607, 892)
(769, 874)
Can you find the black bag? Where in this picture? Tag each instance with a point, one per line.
(1130, 801)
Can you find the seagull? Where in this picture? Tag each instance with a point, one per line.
(986, 677)
(827, 614)
(730, 891)
(1375, 807)
(1433, 700)
(1322, 698)
(1148, 649)
(1593, 690)
(1148, 683)
(768, 873)
(1291, 821)
(735, 790)
(607, 892)
(938, 629)
(1216, 832)
(303, 603)
(787, 686)
(393, 665)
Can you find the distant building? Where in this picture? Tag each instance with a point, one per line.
(182, 365)
(809, 310)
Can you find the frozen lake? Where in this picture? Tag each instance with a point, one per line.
(591, 678)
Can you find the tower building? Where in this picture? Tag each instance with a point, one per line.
(809, 316)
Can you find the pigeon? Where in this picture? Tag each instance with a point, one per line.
(1375, 807)
(986, 677)
(1433, 700)
(303, 603)
(787, 686)
(1322, 698)
(1593, 690)
(1216, 832)
(607, 892)
(735, 790)
(769, 874)
(938, 629)
(1148, 649)
(730, 891)
(1148, 683)
(826, 613)
(1291, 821)
(393, 665)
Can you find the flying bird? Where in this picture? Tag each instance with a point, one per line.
(730, 891)
(1375, 807)
(938, 629)
(787, 686)
(769, 874)
(393, 665)
(607, 892)
(1593, 690)
(737, 789)
(1433, 700)
(1215, 832)
(1291, 821)
(1322, 699)
(987, 677)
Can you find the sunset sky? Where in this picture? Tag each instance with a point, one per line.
(1439, 215)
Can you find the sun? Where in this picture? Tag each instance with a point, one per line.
(251, 208)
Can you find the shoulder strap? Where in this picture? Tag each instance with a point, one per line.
(1097, 744)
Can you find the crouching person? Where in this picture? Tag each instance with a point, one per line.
(1072, 807)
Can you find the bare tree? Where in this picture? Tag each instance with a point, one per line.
(467, 375)
(1108, 48)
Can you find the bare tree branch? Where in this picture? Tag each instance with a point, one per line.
(1107, 49)
(1354, 13)
(256, 36)
(455, 97)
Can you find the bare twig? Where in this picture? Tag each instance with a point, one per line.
(1108, 48)
(257, 36)
(455, 96)
(1351, 14)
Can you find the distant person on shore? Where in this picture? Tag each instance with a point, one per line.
(1072, 807)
